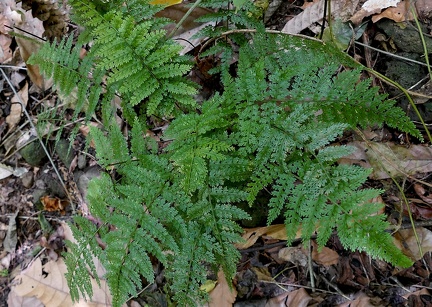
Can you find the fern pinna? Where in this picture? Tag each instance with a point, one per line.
(270, 130)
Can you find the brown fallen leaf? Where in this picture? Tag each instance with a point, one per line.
(48, 283)
(389, 160)
(16, 110)
(424, 9)
(424, 195)
(405, 240)
(325, 256)
(298, 298)
(251, 235)
(423, 291)
(398, 14)
(360, 300)
(294, 255)
(222, 295)
(54, 204)
(419, 210)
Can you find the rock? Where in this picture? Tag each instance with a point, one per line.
(82, 161)
(406, 38)
(84, 179)
(37, 194)
(33, 153)
(27, 180)
(64, 152)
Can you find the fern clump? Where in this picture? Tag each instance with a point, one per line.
(270, 129)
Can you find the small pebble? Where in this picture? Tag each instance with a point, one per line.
(27, 180)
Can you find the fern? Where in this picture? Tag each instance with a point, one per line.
(270, 129)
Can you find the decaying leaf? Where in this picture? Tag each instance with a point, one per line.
(251, 235)
(340, 9)
(371, 7)
(424, 195)
(424, 9)
(54, 204)
(378, 5)
(222, 295)
(405, 239)
(5, 171)
(10, 241)
(298, 298)
(294, 255)
(48, 284)
(360, 299)
(16, 110)
(389, 160)
(324, 256)
(398, 14)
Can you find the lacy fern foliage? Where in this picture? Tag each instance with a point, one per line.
(270, 131)
(138, 62)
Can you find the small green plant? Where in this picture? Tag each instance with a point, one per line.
(270, 129)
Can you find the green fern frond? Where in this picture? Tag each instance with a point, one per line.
(79, 259)
(269, 130)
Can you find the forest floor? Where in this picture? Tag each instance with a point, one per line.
(34, 204)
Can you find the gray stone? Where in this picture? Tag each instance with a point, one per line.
(82, 161)
(27, 180)
(64, 152)
(405, 37)
(33, 153)
(84, 179)
(37, 194)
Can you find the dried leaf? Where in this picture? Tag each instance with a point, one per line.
(295, 255)
(360, 300)
(424, 9)
(10, 241)
(251, 235)
(48, 284)
(54, 204)
(424, 195)
(5, 171)
(298, 298)
(325, 256)
(340, 9)
(389, 160)
(374, 5)
(14, 116)
(405, 239)
(222, 295)
(423, 291)
(398, 14)
(262, 273)
(5, 51)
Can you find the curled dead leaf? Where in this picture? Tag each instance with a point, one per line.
(325, 256)
(398, 14)
(405, 239)
(16, 110)
(222, 295)
(54, 204)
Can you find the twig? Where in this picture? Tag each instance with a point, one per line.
(39, 138)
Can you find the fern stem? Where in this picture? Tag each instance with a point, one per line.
(426, 54)
(185, 16)
(409, 214)
(412, 103)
